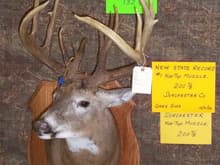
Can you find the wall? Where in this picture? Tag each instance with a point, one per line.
(187, 30)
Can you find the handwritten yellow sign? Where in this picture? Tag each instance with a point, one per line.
(183, 87)
(185, 128)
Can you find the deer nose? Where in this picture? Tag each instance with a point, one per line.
(42, 127)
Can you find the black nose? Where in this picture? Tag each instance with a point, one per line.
(42, 127)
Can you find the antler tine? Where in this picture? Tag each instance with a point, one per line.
(79, 54)
(49, 33)
(72, 71)
(61, 44)
(138, 39)
(34, 25)
(29, 40)
(106, 43)
(113, 24)
(149, 22)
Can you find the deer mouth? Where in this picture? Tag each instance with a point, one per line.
(43, 129)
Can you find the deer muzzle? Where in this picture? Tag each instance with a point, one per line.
(43, 129)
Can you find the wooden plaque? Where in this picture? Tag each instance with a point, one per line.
(42, 99)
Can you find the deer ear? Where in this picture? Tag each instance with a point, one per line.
(115, 97)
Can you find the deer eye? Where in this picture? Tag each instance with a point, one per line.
(84, 104)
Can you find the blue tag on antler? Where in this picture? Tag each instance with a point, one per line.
(61, 81)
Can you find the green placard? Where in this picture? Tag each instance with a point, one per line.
(127, 6)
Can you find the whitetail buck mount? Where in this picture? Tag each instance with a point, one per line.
(80, 128)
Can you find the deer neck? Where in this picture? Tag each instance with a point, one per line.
(101, 134)
(82, 143)
(100, 145)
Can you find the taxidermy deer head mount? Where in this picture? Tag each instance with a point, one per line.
(79, 114)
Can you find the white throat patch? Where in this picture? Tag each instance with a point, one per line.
(78, 144)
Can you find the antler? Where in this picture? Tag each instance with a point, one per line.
(28, 39)
(70, 69)
(142, 34)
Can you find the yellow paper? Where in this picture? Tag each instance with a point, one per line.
(185, 128)
(183, 87)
